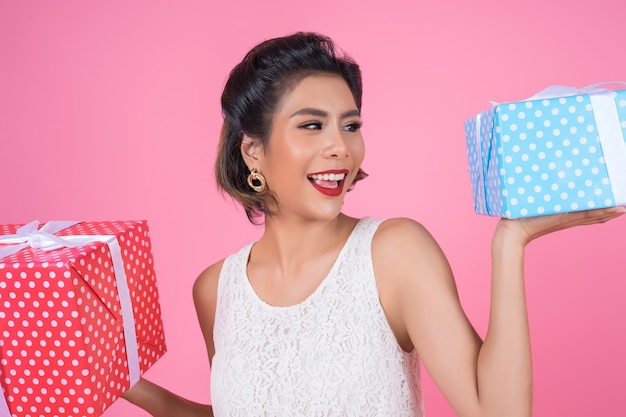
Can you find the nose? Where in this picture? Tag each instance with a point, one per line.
(336, 146)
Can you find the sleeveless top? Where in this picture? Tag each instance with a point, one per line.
(333, 354)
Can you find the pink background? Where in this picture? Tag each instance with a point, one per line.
(110, 110)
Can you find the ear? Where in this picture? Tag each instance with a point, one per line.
(251, 150)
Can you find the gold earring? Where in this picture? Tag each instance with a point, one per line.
(256, 181)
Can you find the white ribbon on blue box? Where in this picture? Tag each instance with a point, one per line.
(560, 150)
(44, 238)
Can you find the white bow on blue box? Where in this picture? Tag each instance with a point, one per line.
(560, 150)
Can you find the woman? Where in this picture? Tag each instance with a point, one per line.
(326, 314)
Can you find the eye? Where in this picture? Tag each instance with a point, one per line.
(311, 126)
(353, 127)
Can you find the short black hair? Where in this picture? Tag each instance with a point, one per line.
(250, 97)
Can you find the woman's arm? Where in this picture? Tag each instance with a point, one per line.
(160, 402)
(504, 362)
(490, 378)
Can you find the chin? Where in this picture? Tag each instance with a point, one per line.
(313, 208)
(326, 214)
(330, 214)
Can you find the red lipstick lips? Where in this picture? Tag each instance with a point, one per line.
(330, 182)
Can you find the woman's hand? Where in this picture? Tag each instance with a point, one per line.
(530, 228)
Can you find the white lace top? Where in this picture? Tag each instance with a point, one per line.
(333, 354)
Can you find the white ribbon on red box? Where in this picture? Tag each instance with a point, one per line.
(4, 407)
(44, 238)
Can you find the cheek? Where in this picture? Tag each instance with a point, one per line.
(293, 155)
(357, 150)
(282, 165)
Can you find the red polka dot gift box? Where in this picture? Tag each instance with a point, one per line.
(80, 319)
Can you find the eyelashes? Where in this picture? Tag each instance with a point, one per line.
(311, 126)
(353, 127)
(350, 127)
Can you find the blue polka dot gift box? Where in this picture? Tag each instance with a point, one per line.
(562, 150)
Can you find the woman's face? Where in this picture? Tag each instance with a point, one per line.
(315, 148)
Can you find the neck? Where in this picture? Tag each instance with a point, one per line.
(292, 241)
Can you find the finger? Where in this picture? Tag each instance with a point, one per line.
(595, 216)
(580, 218)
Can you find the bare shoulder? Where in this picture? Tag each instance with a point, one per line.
(411, 272)
(401, 236)
(206, 283)
(205, 300)
(404, 248)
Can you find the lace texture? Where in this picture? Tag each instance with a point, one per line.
(333, 354)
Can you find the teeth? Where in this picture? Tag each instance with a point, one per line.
(328, 177)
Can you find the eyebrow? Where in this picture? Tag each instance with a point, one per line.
(310, 111)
